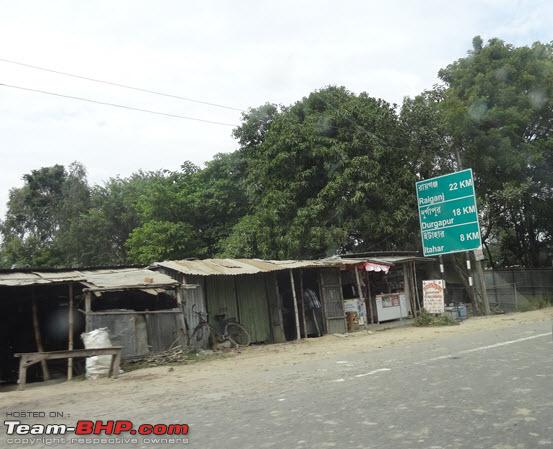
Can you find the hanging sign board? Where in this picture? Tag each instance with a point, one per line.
(447, 214)
(433, 295)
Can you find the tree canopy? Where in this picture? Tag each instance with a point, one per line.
(331, 173)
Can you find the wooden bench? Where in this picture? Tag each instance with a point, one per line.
(30, 358)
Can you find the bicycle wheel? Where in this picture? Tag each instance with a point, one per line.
(237, 334)
(200, 332)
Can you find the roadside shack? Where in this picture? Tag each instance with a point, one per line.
(276, 300)
(47, 310)
(281, 300)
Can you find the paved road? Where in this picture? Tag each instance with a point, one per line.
(491, 389)
(486, 390)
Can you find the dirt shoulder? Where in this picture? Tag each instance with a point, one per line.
(222, 369)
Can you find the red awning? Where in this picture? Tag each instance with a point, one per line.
(373, 266)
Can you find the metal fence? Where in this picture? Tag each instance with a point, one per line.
(512, 290)
(509, 290)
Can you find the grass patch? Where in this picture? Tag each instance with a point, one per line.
(426, 319)
(534, 303)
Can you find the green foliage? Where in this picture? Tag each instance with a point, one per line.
(332, 172)
(161, 240)
(498, 109)
(329, 174)
(426, 319)
(40, 212)
(534, 302)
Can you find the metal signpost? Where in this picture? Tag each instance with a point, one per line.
(448, 214)
(448, 218)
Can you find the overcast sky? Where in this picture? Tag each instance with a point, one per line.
(237, 53)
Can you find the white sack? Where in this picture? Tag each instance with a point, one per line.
(97, 366)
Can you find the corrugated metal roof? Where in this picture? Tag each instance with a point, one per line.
(232, 267)
(109, 278)
(393, 260)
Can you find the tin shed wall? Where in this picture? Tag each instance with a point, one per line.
(221, 297)
(253, 307)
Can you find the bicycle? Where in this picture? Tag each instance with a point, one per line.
(227, 329)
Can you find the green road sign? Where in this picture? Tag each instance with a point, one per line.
(448, 215)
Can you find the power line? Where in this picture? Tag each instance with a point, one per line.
(116, 105)
(124, 86)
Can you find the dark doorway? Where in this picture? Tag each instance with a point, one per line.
(287, 301)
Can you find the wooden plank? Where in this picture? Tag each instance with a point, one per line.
(63, 354)
(131, 287)
(30, 358)
(134, 312)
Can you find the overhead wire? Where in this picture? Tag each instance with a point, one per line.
(121, 85)
(117, 105)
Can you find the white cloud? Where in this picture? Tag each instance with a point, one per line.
(237, 53)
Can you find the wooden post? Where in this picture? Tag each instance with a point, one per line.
(302, 305)
(22, 380)
(298, 336)
(38, 339)
(416, 282)
(88, 309)
(70, 332)
(115, 364)
(482, 285)
(369, 296)
(408, 289)
(360, 291)
(180, 319)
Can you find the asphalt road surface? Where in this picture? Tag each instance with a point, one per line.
(489, 389)
(486, 390)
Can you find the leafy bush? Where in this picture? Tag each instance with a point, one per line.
(426, 319)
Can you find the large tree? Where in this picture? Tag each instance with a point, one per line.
(40, 212)
(498, 109)
(327, 174)
(188, 213)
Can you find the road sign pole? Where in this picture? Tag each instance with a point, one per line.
(442, 273)
(470, 278)
(448, 216)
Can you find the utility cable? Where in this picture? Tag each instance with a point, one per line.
(116, 105)
(124, 86)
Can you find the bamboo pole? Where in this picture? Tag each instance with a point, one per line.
(296, 315)
(70, 332)
(38, 339)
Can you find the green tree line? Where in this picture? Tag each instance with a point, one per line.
(332, 173)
